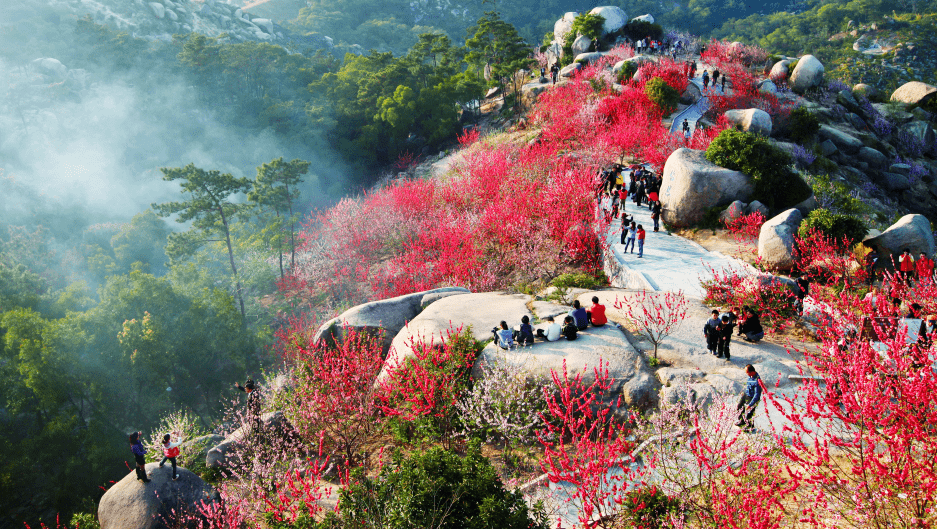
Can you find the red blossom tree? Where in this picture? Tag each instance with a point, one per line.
(655, 314)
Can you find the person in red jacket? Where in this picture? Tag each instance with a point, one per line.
(925, 268)
(596, 313)
(170, 452)
(906, 265)
(641, 234)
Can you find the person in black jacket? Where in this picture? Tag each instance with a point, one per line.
(751, 329)
(569, 328)
(656, 208)
(725, 337)
(524, 336)
(711, 332)
(253, 398)
(139, 456)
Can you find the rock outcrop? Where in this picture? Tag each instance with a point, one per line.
(776, 240)
(914, 93)
(385, 317)
(563, 26)
(751, 120)
(807, 74)
(132, 504)
(615, 17)
(911, 231)
(845, 142)
(692, 184)
(581, 45)
(780, 71)
(273, 423)
(644, 18)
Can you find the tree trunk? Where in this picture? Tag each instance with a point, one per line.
(237, 281)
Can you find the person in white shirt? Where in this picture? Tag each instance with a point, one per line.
(552, 332)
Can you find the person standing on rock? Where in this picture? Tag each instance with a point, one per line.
(871, 259)
(170, 452)
(715, 77)
(640, 235)
(749, 399)
(632, 234)
(139, 456)
(723, 83)
(711, 332)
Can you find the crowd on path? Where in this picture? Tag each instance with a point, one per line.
(612, 194)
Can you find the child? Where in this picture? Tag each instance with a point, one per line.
(632, 234)
(504, 338)
(711, 332)
(569, 328)
(170, 452)
(139, 453)
(640, 234)
(525, 336)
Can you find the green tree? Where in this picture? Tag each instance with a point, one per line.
(495, 44)
(209, 207)
(276, 188)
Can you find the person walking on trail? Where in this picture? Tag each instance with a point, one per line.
(632, 235)
(596, 313)
(139, 456)
(656, 208)
(552, 332)
(504, 337)
(554, 71)
(725, 337)
(711, 332)
(705, 79)
(749, 399)
(579, 315)
(723, 83)
(686, 129)
(715, 77)
(543, 71)
(625, 222)
(640, 235)
(170, 452)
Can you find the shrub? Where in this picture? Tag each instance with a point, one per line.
(836, 196)
(637, 30)
(662, 94)
(776, 185)
(436, 489)
(580, 280)
(833, 225)
(586, 24)
(627, 72)
(649, 508)
(804, 125)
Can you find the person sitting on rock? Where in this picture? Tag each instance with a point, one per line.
(139, 456)
(170, 452)
(569, 328)
(580, 318)
(525, 335)
(504, 337)
(596, 313)
(751, 329)
(553, 331)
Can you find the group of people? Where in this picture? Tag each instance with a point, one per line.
(643, 188)
(719, 327)
(578, 319)
(170, 453)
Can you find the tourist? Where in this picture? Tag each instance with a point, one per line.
(642, 192)
(925, 268)
(656, 208)
(715, 77)
(686, 130)
(139, 456)
(253, 399)
(906, 265)
(170, 452)
(871, 259)
(640, 235)
(625, 222)
(749, 399)
(751, 329)
(711, 332)
(723, 83)
(525, 334)
(553, 331)
(543, 72)
(503, 337)
(579, 315)
(569, 328)
(725, 337)
(705, 79)
(554, 71)
(596, 313)
(632, 234)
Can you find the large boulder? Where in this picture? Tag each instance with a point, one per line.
(644, 18)
(614, 16)
(873, 157)
(692, 184)
(893, 181)
(865, 90)
(633, 379)
(807, 74)
(570, 69)
(921, 131)
(271, 423)
(776, 240)
(751, 120)
(691, 95)
(563, 26)
(914, 93)
(132, 504)
(780, 71)
(911, 231)
(478, 312)
(581, 45)
(385, 317)
(50, 67)
(847, 143)
(735, 210)
(531, 91)
(767, 86)
(266, 24)
(589, 57)
(159, 11)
